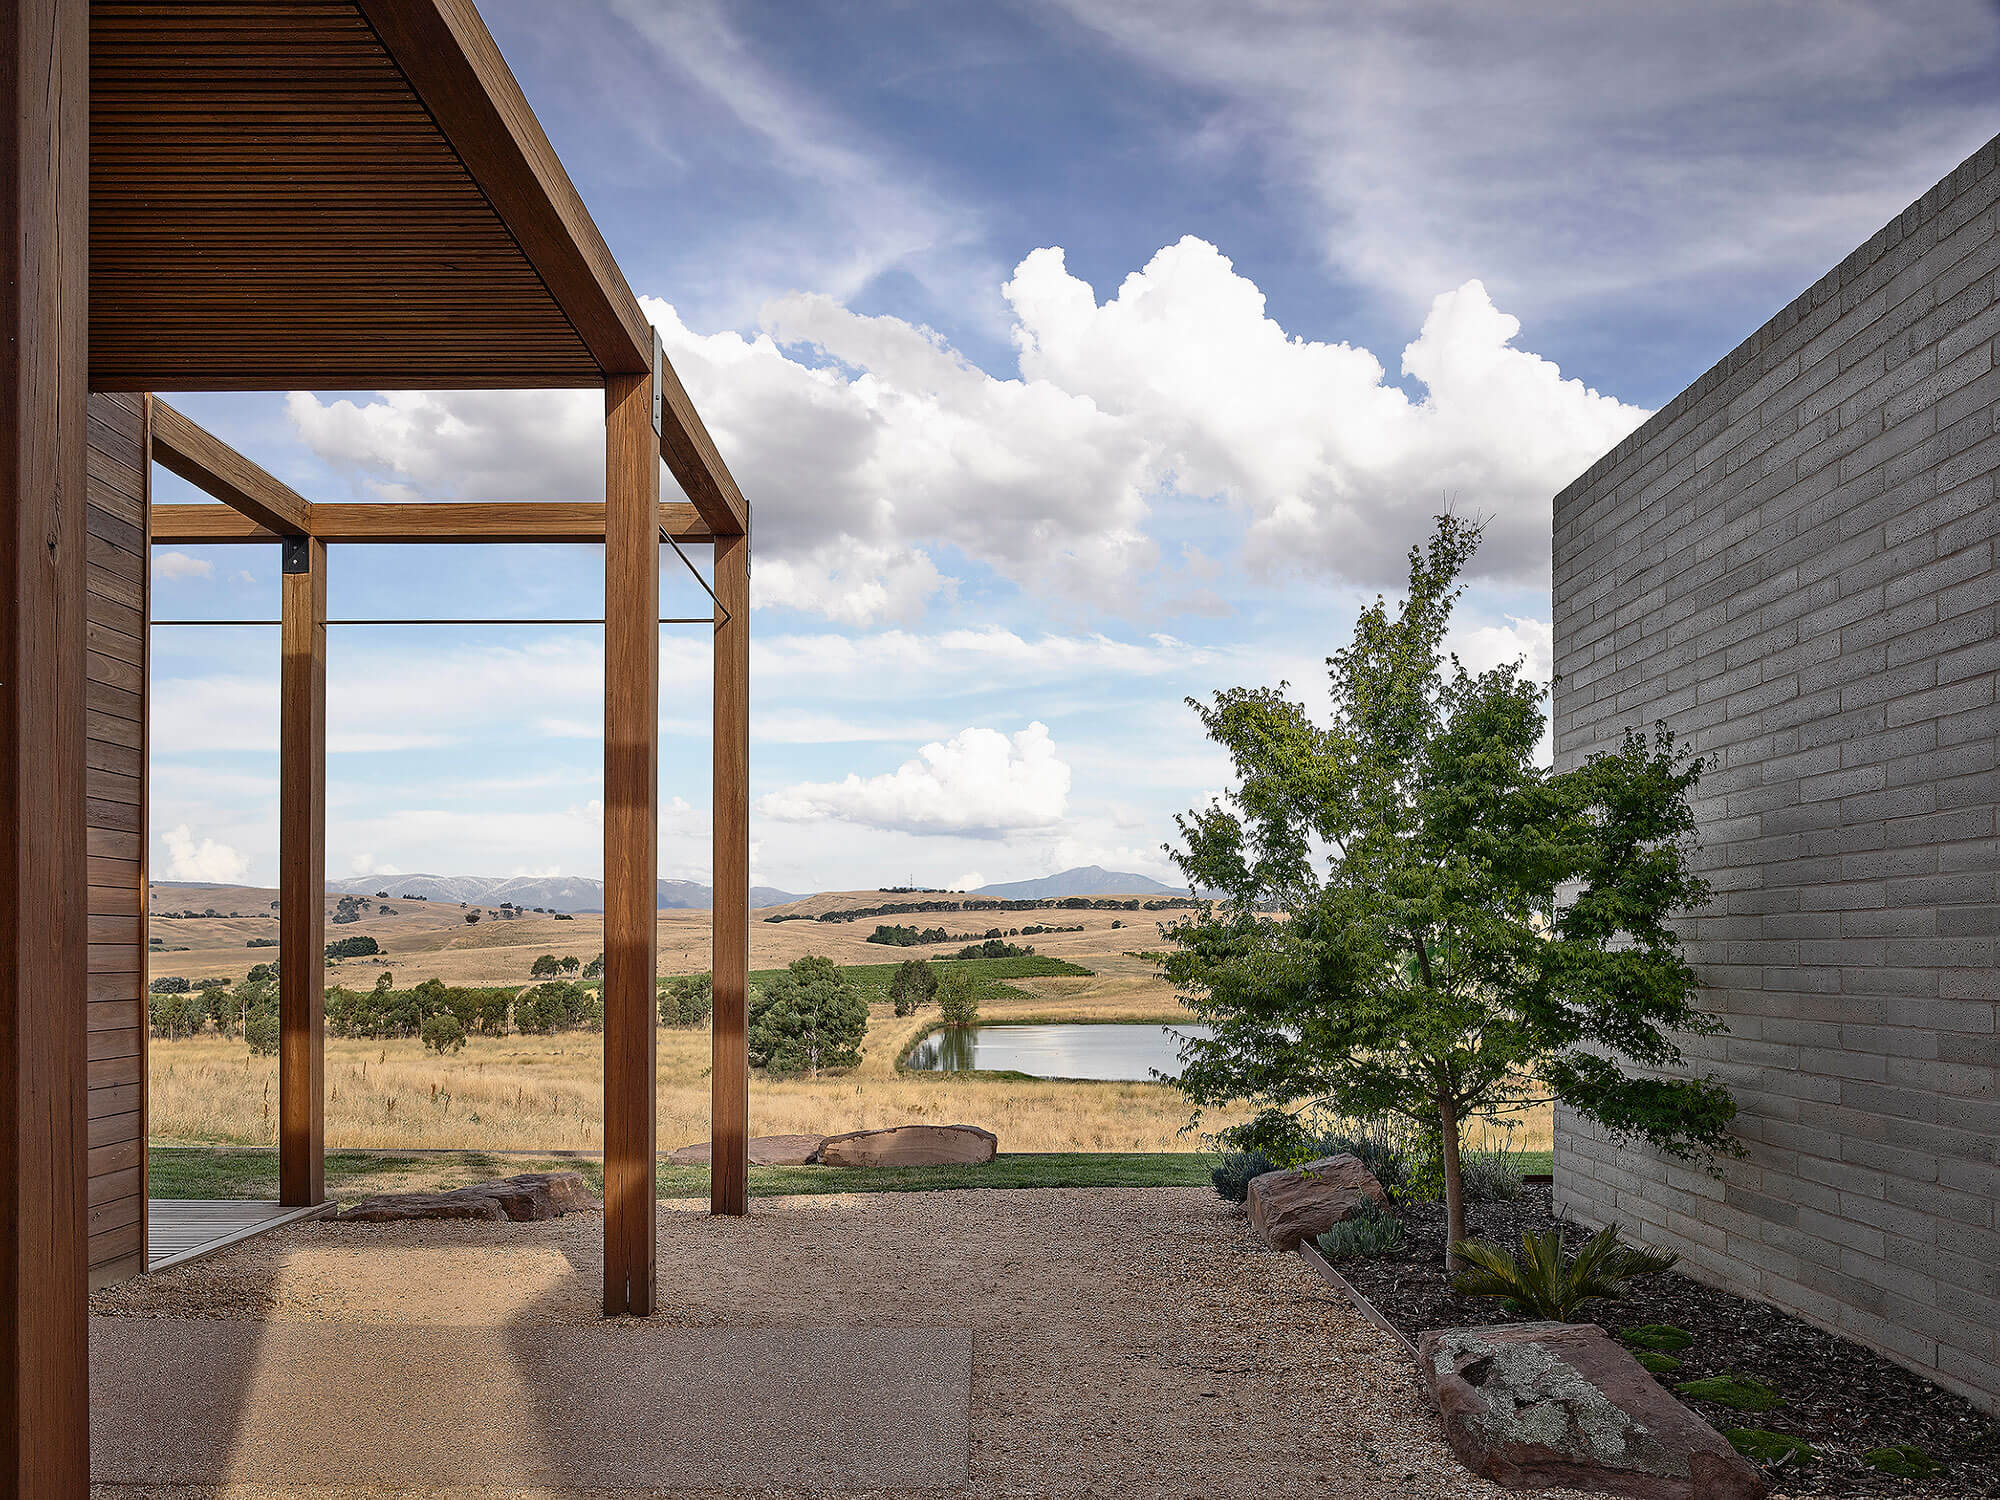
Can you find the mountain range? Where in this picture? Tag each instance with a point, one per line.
(579, 893)
(550, 892)
(1085, 880)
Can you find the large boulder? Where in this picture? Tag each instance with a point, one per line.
(1562, 1406)
(1302, 1202)
(911, 1146)
(765, 1151)
(527, 1196)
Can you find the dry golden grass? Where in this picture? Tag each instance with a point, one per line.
(546, 1093)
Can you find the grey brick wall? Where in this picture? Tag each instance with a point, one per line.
(1792, 564)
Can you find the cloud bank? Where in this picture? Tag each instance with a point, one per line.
(873, 451)
(980, 782)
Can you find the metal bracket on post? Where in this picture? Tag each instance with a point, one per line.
(659, 385)
(295, 553)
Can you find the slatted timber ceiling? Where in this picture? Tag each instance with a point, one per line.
(272, 205)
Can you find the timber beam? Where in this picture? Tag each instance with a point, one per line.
(215, 468)
(442, 521)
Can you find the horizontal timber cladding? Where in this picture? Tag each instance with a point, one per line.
(272, 204)
(115, 802)
(1792, 565)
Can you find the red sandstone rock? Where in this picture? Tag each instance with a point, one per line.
(1306, 1201)
(911, 1146)
(527, 1196)
(1561, 1406)
(765, 1151)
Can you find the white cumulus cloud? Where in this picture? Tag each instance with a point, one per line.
(980, 782)
(867, 444)
(177, 565)
(204, 859)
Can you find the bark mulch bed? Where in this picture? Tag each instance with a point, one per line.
(1840, 1398)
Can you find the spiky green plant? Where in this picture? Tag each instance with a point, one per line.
(1544, 1282)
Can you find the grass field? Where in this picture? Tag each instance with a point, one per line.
(195, 1172)
(546, 1093)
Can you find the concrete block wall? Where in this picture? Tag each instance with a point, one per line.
(1793, 566)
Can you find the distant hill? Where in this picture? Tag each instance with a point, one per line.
(551, 892)
(1087, 880)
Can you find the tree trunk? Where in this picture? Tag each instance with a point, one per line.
(1454, 1181)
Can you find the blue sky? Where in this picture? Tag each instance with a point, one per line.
(1076, 356)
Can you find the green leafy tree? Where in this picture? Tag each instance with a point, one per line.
(443, 1032)
(808, 1019)
(958, 998)
(1424, 967)
(913, 986)
(687, 1001)
(548, 966)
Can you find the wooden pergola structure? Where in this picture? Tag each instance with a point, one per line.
(265, 195)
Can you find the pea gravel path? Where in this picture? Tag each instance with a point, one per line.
(1126, 1341)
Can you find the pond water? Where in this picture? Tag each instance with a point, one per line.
(1111, 1051)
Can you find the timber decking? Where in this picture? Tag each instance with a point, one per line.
(181, 1229)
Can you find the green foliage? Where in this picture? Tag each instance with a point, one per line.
(994, 948)
(260, 1031)
(558, 1005)
(1490, 1177)
(914, 986)
(958, 999)
(595, 968)
(1545, 1283)
(548, 966)
(1737, 1392)
(990, 974)
(1778, 1449)
(1655, 1361)
(807, 1019)
(1902, 1461)
(687, 1001)
(1424, 967)
(262, 973)
(175, 1014)
(169, 984)
(385, 1011)
(443, 1032)
(359, 946)
(1232, 1177)
(1660, 1336)
(1368, 1234)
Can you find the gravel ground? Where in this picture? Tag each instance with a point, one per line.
(1130, 1342)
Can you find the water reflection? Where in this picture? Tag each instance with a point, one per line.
(1112, 1052)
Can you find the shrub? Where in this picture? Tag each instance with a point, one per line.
(262, 943)
(443, 1032)
(1901, 1461)
(1774, 1448)
(1368, 1234)
(913, 987)
(1659, 1336)
(1490, 1177)
(260, 1031)
(1232, 1178)
(958, 999)
(807, 1019)
(1737, 1392)
(1545, 1283)
(688, 1001)
(353, 947)
(169, 984)
(262, 974)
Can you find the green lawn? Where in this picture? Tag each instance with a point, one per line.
(199, 1172)
(189, 1172)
